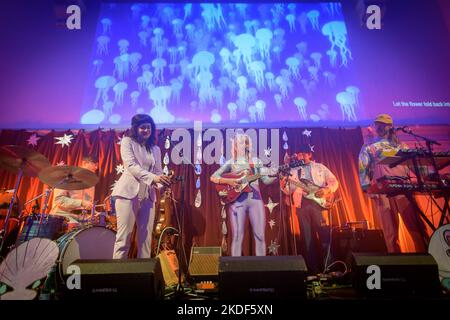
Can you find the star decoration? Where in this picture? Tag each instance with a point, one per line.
(270, 205)
(273, 248)
(119, 141)
(64, 140)
(271, 223)
(113, 185)
(120, 169)
(307, 133)
(61, 163)
(268, 152)
(33, 139)
(312, 148)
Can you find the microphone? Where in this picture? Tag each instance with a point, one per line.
(403, 128)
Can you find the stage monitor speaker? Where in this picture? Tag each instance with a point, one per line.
(118, 279)
(204, 263)
(256, 278)
(348, 241)
(395, 275)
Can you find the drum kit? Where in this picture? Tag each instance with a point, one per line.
(92, 238)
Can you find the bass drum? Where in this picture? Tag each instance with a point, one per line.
(88, 243)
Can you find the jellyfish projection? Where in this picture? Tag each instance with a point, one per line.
(302, 47)
(347, 103)
(176, 86)
(313, 17)
(301, 107)
(232, 107)
(302, 20)
(158, 72)
(337, 35)
(331, 8)
(187, 10)
(276, 51)
(103, 84)
(248, 26)
(241, 8)
(264, 39)
(143, 38)
(225, 55)
(160, 96)
(202, 61)
(244, 44)
(218, 97)
(332, 54)
(121, 66)
(257, 69)
(330, 78)
(106, 24)
(212, 15)
(108, 108)
(270, 79)
(136, 10)
(282, 83)
(278, 100)
(293, 63)
(190, 31)
(215, 116)
(314, 73)
(243, 91)
(291, 20)
(97, 66)
(316, 57)
(119, 90)
(134, 59)
(102, 45)
(260, 106)
(123, 46)
(205, 91)
(157, 40)
(252, 113)
(145, 20)
(354, 91)
(134, 97)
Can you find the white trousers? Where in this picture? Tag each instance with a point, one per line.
(129, 212)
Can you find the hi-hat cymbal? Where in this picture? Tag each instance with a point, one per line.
(68, 177)
(13, 158)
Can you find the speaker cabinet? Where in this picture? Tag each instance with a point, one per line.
(271, 277)
(395, 275)
(118, 279)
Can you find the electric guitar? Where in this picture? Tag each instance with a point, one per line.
(229, 194)
(310, 189)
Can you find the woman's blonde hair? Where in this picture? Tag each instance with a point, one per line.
(248, 146)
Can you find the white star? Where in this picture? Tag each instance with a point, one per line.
(273, 248)
(271, 223)
(61, 163)
(307, 133)
(64, 140)
(120, 169)
(312, 148)
(270, 205)
(113, 185)
(33, 139)
(268, 152)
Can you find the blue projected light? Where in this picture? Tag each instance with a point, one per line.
(222, 64)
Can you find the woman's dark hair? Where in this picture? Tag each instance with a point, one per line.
(136, 121)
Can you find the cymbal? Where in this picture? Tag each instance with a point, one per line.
(68, 177)
(12, 158)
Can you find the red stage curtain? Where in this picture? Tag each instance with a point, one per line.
(336, 148)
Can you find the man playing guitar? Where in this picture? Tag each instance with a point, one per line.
(309, 186)
(247, 202)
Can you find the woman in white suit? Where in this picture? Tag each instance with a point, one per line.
(134, 192)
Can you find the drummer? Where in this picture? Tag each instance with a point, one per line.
(70, 203)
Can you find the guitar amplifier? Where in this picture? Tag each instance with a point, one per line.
(346, 241)
(204, 263)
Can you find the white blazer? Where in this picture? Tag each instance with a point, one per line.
(141, 167)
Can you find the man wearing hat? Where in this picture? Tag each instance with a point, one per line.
(311, 216)
(387, 209)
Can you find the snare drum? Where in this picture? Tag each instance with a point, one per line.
(52, 227)
(88, 243)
